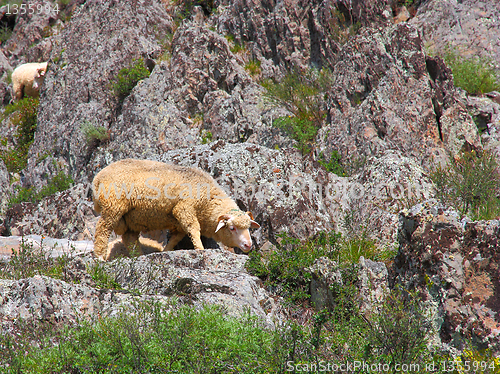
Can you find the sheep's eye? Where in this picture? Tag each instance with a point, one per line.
(232, 228)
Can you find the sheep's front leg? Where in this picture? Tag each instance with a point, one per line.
(102, 233)
(188, 221)
(130, 240)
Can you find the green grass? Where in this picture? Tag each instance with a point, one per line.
(59, 182)
(475, 75)
(471, 184)
(128, 77)
(253, 67)
(23, 115)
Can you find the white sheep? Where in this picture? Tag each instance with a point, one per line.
(142, 195)
(27, 79)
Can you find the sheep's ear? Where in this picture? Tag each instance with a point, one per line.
(222, 221)
(250, 215)
(254, 225)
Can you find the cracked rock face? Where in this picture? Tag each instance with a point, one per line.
(454, 264)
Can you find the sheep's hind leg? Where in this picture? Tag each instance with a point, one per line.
(102, 233)
(174, 239)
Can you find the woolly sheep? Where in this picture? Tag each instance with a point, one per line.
(142, 195)
(27, 79)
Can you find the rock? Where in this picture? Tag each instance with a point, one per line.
(373, 284)
(294, 34)
(325, 273)
(99, 40)
(195, 277)
(202, 88)
(486, 115)
(389, 95)
(453, 264)
(386, 185)
(471, 26)
(68, 214)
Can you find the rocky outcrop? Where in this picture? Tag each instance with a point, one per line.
(100, 39)
(389, 95)
(192, 277)
(453, 263)
(471, 26)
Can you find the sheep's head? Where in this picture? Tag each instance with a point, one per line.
(39, 76)
(233, 229)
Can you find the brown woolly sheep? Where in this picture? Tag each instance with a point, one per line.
(149, 195)
(27, 79)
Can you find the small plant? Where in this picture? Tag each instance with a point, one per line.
(253, 67)
(60, 182)
(128, 77)
(303, 95)
(29, 261)
(23, 115)
(102, 279)
(93, 133)
(334, 165)
(5, 33)
(206, 136)
(470, 183)
(398, 330)
(475, 75)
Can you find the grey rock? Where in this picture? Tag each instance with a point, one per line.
(389, 95)
(99, 40)
(373, 284)
(68, 214)
(198, 278)
(325, 273)
(471, 26)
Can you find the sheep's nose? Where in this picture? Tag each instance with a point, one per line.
(248, 246)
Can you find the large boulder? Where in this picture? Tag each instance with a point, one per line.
(453, 264)
(193, 277)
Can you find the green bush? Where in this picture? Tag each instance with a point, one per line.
(398, 330)
(475, 75)
(94, 133)
(303, 95)
(59, 182)
(23, 115)
(285, 268)
(334, 165)
(29, 261)
(128, 77)
(470, 183)
(253, 67)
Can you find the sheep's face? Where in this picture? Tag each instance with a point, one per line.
(39, 77)
(233, 230)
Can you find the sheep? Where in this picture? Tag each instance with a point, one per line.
(143, 195)
(27, 79)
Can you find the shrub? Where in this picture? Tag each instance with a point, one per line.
(285, 268)
(23, 115)
(93, 133)
(59, 182)
(398, 330)
(334, 165)
(470, 183)
(253, 67)
(303, 95)
(128, 77)
(29, 261)
(475, 75)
